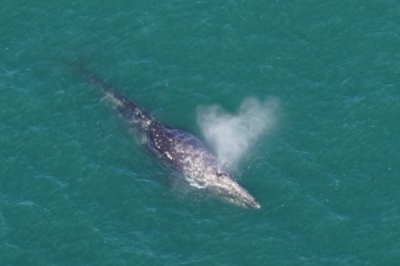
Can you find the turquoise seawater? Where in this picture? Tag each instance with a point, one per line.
(75, 188)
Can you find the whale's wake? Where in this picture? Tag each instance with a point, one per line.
(231, 135)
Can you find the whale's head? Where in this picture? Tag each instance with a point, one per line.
(202, 170)
(226, 187)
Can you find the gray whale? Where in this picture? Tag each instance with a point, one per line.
(179, 149)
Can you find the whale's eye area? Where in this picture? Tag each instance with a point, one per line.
(220, 174)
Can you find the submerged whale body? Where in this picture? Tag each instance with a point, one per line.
(181, 150)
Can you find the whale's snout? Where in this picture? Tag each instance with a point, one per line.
(225, 186)
(253, 204)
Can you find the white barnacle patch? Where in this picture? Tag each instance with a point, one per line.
(168, 155)
(157, 144)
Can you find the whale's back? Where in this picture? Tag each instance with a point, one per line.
(176, 146)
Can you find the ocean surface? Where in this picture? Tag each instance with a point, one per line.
(77, 189)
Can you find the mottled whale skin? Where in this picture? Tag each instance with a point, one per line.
(181, 150)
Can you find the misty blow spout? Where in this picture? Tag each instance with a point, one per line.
(232, 135)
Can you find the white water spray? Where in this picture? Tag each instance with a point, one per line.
(231, 135)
